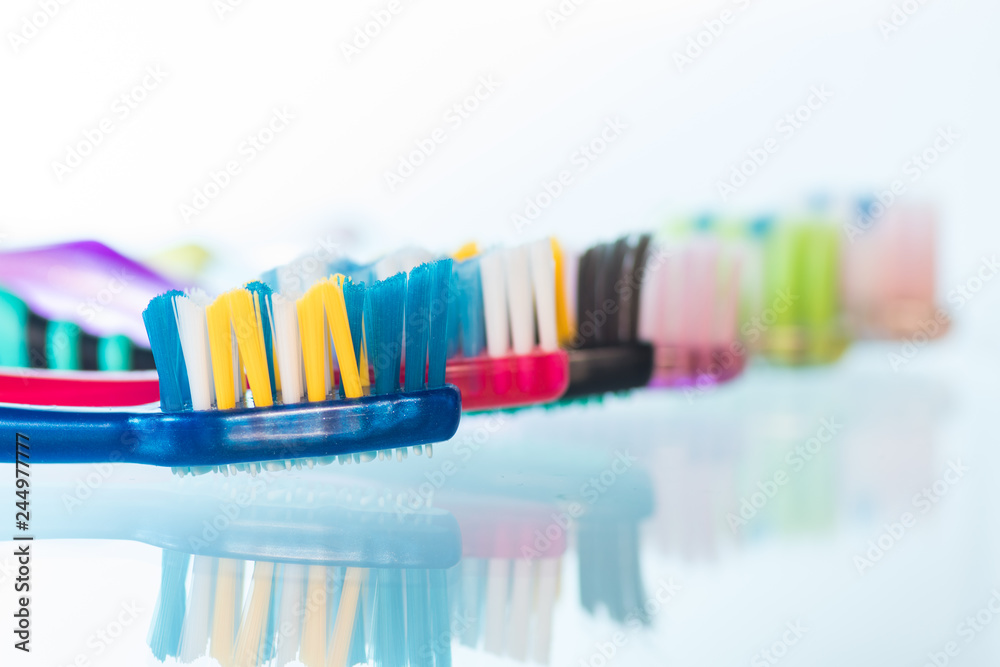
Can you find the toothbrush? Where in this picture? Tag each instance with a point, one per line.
(802, 320)
(287, 351)
(889, 274)
(688, 311)
(601, 337)
(498, 300)
(504, 296)
(329, 566)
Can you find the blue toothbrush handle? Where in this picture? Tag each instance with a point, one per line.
(221, 437)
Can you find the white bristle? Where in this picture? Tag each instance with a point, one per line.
(520, 610)
(497, 577)
(289, 621)
(543, 278)
(194, 633)
(520, 307)
(288, 348)
(237, 369)
(548, 584)
(491, 266)
(192, 328)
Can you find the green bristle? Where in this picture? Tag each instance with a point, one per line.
(384, 307)
(263, 292)
(437, 353)
(165, 630)
(62, 346)
(417, 327)
(354, 299)
(161, 327)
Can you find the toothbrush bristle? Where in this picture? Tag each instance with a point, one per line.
(470, 325)
(440, 286)
(416, 327)
(384, 319)
(165, 629)
(165, 343)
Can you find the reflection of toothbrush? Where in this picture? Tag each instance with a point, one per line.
(605, 352)
(337, 577)
(204, 349)
(505, 589)
(689, 308)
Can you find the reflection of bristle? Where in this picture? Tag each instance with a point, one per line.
(313, 651)
(165, 630)
(609, 570)
(497, 578)
(547, 585)
(289, 621)
(228, 594)
(520, 610)
(344, 626)
(253, 623)
(388, 621)
(197, 621)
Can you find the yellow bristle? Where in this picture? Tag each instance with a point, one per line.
(220, 342)
(340, 644)
(467, 251)
(313, 648)
(312, 331)
(564, 327)
(244, 309)
(253, 624)
(340, 329)
(277, 371)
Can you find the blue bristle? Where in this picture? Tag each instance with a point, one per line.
(388, 620)
(417, 327)
(418, 620)
(454, 339)
(267, 639)
(354, 299)
(357, 653)
(266, 317)
(384, 306)
(165, 631)
(165, 343)
(437, 350)
(471, 325)
(438, 607)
